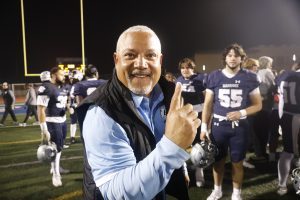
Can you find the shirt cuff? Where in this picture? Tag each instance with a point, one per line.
(171, 153)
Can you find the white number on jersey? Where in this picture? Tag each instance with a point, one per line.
(90, 90)
(289, 92)
(62, 101)
(230, 97)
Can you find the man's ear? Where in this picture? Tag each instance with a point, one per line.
(161, 59)
(115, 56)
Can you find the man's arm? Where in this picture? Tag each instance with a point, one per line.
(112, 159)
(41, 110)
(79, 98)
(256, 105)
(113, 163)
(13, 99)
(206, 113)
(42, 102)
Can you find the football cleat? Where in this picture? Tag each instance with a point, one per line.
(47, 152)
(203, 154)
(56, 180)
(45, 76)
(296, 180)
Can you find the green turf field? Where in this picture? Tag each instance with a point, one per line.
(22, 177)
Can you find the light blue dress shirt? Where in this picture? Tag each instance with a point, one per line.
(114, 166)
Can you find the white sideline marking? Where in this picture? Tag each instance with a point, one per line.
(36, 162)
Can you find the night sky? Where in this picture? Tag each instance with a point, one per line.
(184, 27)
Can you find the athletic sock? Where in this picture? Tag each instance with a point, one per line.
(218, 188)
(73, 130)
(57, 163)
(236, 191)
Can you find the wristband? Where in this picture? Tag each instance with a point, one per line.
(43, 126)
(204, 127)
(243, 113)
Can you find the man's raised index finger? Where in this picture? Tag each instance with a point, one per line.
(176, 99)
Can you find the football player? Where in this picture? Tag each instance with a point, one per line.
(81, 90)
(232, 93)
(193, 93)
(51, 102)
(75, 77)
(289, 112)
(84, 88)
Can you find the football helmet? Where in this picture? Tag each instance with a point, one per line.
(45, 76)
(47, 152)
(296, 180)
(76, 74)
(91, 71)
(203, 154)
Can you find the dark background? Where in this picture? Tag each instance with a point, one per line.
(185, 27)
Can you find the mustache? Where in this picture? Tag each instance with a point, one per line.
(140, 73)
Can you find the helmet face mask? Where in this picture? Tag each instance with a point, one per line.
(203, 154)
(296, 180)
(47, 152)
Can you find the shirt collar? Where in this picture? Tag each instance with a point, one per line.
(156, 96)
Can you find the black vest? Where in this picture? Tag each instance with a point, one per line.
(115, 99)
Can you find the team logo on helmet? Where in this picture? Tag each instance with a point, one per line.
(46, 152)
(296, 180)
(203, 154)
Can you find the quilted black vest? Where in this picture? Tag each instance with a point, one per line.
(115, 99)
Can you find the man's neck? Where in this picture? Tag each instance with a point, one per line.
(232, 70)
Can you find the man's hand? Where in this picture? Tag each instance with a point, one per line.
(182, 121)
(187, 179)
(234, 116)
(45, 133)
(203, 135)
(45, 136)
(71, 110)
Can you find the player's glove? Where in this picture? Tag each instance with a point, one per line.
(45, 133)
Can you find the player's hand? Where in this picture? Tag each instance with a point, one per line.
(45, 136)
(13, 107)
(71, 110)
(203, 135)
(233, 116)
(187, 179)
(182, 121)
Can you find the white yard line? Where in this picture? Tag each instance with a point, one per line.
(36, 162)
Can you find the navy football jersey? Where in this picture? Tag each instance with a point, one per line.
(85, 88)
(192, 89)
(231, 94)
(73, 102)
(54, 99)
(68, 87)
(290, 89)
